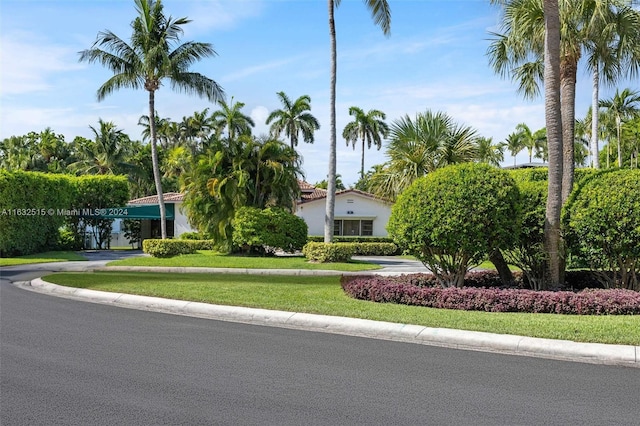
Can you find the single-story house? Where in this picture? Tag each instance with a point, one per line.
(357, 213)
(177, 223)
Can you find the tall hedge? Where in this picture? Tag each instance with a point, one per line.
(454, 217)
(30, 216)
(94, 192)
(602, 225)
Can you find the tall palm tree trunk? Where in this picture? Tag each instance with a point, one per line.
(595, 155)
(554, 135)
(619, 133)
(568, 73)
(362, 160)
(156, 166)
(331, 178)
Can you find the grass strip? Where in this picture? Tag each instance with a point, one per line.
(211, 259)
(50, 256)
(323, 295)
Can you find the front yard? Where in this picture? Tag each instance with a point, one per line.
(323, 295)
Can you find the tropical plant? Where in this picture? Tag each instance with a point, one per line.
(366, 127)
(622, 107)
(294, 118)
(514, 145)
(612, 51)
(419, 146)
(381, 14)
(238, 173)
(147, 61)
(106, 154)
(553, 120)
(489, 152)
(339, 184)
(230, 118)
(532, 141)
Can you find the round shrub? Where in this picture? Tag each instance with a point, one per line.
(264, 231)
(602, 225)
(454, 217)
(528, 253)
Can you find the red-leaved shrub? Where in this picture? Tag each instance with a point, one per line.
(403, 290)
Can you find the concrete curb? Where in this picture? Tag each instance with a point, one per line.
(595, 353)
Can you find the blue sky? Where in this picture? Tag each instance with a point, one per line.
(434, 59)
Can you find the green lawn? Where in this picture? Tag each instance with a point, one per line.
(211, 259)
(50, 256)
(323, 295)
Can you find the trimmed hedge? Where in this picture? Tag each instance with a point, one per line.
(348, 239)
(375, 249)
(455, 217)
(31, 210)
(602, 226)
(585, 302)
(170, 248)
(329, 252)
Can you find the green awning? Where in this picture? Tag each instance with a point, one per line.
(132, 212)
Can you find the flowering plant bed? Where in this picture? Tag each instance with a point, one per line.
(415, 290)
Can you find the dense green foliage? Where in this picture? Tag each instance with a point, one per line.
(528, 253)
(454, 217)
(29, 210)
(351, 239)
(602, 225)
(239, 173)
(329, 252)
(96, 192)
(170, 248)
(265, 231)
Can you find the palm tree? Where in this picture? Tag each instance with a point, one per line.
(239, 172)
(612, 51)
(514, 145)
(106, 155)
(230, 117)
(294, 118)
(148, 60)
(419, 146)
(530, 140)
(621, 107)
(553, 119)
(369, 128)
(489, 152)
(519, 51)
(381, 14)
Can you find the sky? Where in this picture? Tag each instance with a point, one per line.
(434, 59)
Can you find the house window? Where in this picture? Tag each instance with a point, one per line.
(350, 227)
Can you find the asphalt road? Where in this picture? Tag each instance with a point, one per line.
(68, 362)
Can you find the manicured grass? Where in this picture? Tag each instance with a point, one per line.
(323, 295)
(211, 259)
(50, 256)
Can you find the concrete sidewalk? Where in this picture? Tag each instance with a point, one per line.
(596, 353)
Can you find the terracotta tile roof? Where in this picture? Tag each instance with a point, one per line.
(305, 186)
(169, 197)
(315, 194)
(322, 193)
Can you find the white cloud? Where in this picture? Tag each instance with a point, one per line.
(259, 115)
(28, 62)
(210, 15)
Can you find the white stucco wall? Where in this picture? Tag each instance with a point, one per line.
(349, 206)
(180, 222)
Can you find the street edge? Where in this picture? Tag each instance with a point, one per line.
(595, 353)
